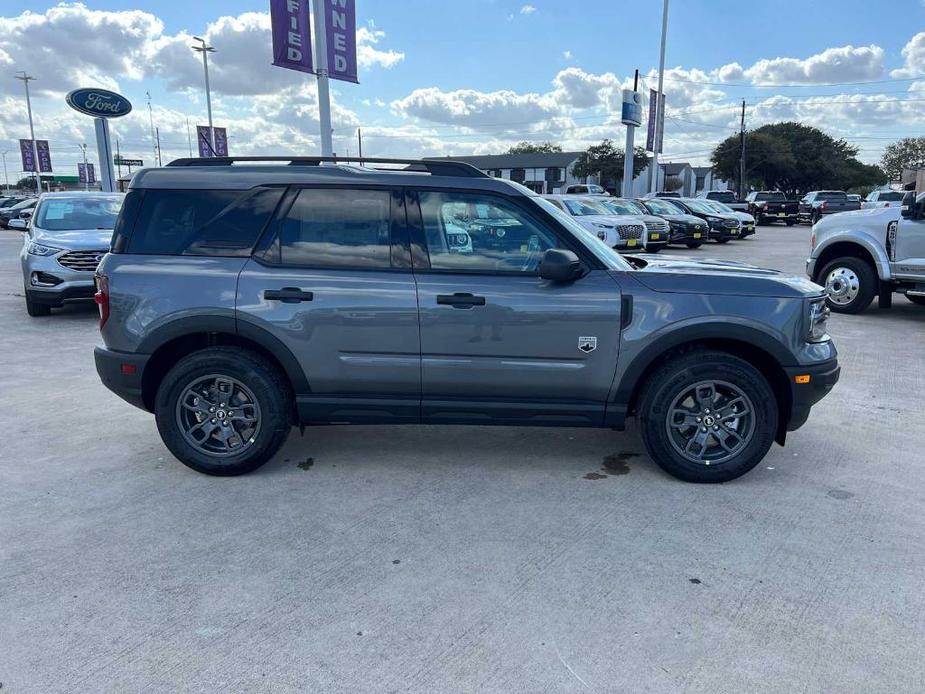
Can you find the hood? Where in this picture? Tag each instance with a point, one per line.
(745, 217)
(75, 240)
(682, 218)
(609, 219)
(684, 274)
(866, 215)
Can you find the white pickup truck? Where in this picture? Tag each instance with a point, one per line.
(871, 252)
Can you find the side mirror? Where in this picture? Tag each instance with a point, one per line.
(18, 224)
(559, 265)
(25, 214)
(908, 208)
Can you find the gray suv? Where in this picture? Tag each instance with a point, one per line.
(241, 298)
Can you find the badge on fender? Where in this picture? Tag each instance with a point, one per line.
(587, 344)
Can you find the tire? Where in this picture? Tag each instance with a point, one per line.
(258, 382)
(722, 240)
(918, 300)
(753, 432)
(790, 222)
(654, 250)
(694, 244)
(35, 308)
(850, 284)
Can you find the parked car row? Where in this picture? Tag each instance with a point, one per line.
(16, 207)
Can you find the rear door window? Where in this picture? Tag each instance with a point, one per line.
(201, 222)
(338, 228)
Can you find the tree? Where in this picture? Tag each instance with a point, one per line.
(906, 153)
(794, 158)
(672, 183)
(607, 160)
(534, 148)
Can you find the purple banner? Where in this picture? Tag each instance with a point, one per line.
(340, 19)
(221, 142)
(202, 137)
(650, 126)
(292, 39)
(28, 155)
(660, 126)
(86, 173)
(44, 155)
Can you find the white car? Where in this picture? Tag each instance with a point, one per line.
(620, 232)
(586, 190)
(882, 198)
(658, 232)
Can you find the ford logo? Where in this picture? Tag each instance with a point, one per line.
(99, 103)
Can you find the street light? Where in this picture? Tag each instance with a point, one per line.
(6, 177)
(205, 49)
(35, 155)
(83, 148)
(660, 103)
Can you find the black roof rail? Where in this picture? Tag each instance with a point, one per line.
(442, 167)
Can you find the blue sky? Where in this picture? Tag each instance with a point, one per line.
(475, 75)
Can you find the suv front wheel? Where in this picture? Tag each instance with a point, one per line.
(223, 410)
(707, 417)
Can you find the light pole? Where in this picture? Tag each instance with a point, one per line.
(35, 155)
(205, 49)
(321, 72)
(154, 138)
(6, 177)
(660, 104)
(86, 170)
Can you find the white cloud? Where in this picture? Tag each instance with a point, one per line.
(474, 109)
(527, 9)
(567, 55)
(368, 56)
(844, 64)
(914, 56)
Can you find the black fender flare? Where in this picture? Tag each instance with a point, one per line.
(228, 324)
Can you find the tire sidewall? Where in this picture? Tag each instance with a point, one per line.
(668, 382)
(868, 284)
(263, 382)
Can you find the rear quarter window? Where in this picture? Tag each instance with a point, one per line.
(201, 222)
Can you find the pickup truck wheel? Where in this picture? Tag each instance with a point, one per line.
(850, 284)
(708, 417)
(694, 244)
(790, 222)
(223, 411)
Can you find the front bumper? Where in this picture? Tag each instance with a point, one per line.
(688, 235)
(822, 378)
(48, 282)
(725, 233)
(122, 373)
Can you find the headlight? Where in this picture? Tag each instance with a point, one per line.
(603, 226)
(818, 316)
(38, 249)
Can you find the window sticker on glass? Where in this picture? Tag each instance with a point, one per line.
(58, 210)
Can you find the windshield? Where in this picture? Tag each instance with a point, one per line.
(702, 207)
(611, 259)
(617, 206)
(831, 195)
(24, 203)
(888, 197)
(69, 214)
(657, 206)
(722, 196)
(585, 208)
(719, 207)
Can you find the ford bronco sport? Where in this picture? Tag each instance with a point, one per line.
(241, 297)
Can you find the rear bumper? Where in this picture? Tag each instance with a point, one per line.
(822, 378)
(122, 373)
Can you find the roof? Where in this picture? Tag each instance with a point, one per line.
(673, 169)
(532, 160)
(247, 175)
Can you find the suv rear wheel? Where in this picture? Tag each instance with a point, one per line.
(850, 284)
(707, 417)
(223, 411)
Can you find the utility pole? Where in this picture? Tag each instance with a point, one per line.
(6, 176)
(321, 71)
(157, 137)
(86, 170)
(628, 158)
(35, 155)
(742, 153)
(205, 49)
(360, 141)
(154, 142)
(660, 105)
(189, 138)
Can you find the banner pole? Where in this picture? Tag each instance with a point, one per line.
(321, 72)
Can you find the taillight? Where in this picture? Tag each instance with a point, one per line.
(102, 298)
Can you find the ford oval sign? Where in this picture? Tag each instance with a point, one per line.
(99, 103)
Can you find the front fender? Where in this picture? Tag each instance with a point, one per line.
(874, 242)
